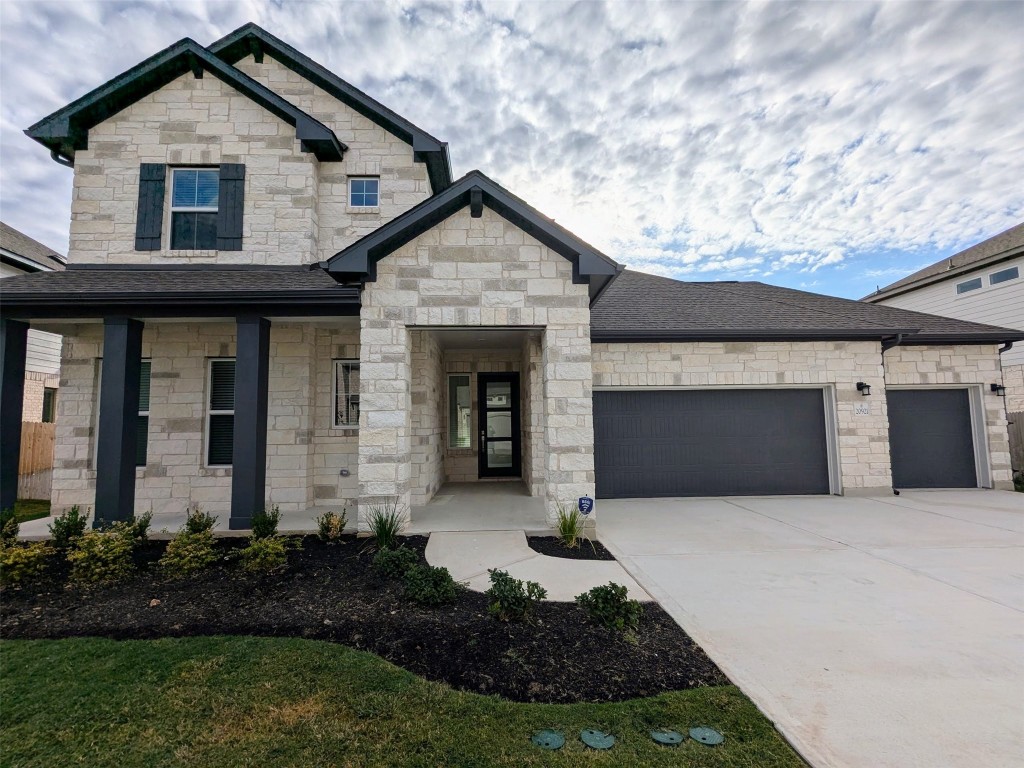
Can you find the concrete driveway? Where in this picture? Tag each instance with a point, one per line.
(874, 632)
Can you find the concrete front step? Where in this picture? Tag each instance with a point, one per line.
(469, 555)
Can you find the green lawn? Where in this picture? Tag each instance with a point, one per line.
(239, 701)
(31, 509)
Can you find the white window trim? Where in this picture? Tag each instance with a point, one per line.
(211, 412)
(1007, 280)
(355, 207)
(448, 410)
(334, 392)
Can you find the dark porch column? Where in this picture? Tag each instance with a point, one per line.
(118, 422)
(13, 341)
(249, 458)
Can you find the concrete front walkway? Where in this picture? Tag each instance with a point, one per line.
(469, 555)
(884, 633)
(503, 505)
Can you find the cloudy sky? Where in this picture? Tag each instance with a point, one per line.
(829, 146)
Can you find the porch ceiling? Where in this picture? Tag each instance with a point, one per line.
(481, 338)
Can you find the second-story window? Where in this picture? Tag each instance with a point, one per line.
(364, 192)
(194, 198)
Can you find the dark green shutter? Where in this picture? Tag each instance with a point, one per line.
(220, 441)
(150, 216)
(230, 205)
(142, 425)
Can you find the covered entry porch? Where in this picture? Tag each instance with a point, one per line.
(481, 506)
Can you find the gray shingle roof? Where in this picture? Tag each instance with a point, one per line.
(1005, 243)
(18, 242)
(638, 305)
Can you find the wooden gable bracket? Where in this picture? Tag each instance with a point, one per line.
(195, 66)
(476, 202)
(256, 49)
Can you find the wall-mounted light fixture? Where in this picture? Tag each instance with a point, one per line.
(864, 389)
(999, 389)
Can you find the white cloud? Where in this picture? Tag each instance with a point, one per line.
(721, 139)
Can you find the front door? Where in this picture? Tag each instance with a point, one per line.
(498, 406)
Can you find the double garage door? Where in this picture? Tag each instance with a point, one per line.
(715, 442)
(742, 442)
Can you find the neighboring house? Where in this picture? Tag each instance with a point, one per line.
(984, 284)
(277, 293)
(21, 255)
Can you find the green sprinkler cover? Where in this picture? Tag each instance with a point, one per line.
(708, 736)
(548, 739)
(597, 739)
(667, 737)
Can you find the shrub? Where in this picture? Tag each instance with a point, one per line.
(188, 553)
(265, 555)
(138, 527)
(393, 563)
(609, 606)
(430, 585)
(386, 521)
(22, 562)
(197, 521)
(264, 524)
(68, 528)
(102, 556)
(569, 525)
(8, 526)
(511, 599)
(331, 526)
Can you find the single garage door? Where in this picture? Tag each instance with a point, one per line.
(716, 442)
(931, 442)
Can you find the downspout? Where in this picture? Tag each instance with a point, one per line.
(886, 346)
(59, 158)
(1006, 347)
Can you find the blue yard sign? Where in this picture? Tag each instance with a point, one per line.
(586, 505)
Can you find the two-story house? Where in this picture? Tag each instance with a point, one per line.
(984, 284)
(277, 293)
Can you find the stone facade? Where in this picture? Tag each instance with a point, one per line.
(296, 208)
(36, 384)
(304, 452)
(474, 272)
(1013, 380)
(975, 367)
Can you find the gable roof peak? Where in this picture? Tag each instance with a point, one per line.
(67, 129)
(252, 39)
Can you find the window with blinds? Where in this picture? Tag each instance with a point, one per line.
(194, 202)
(142, 425)
(220, 423)
(346, 394)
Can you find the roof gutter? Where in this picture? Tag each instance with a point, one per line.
(888, 344)
(1007, 346)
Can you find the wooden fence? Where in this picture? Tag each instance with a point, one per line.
(1016, 439)
(35, 465)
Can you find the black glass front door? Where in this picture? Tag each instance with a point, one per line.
(498, 406)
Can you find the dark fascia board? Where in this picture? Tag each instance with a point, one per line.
(208, 304)
(956, 272)
(22, 262)
(746, 334)
(933, 339)
(358, 262)
(252, 39)
(67, 129)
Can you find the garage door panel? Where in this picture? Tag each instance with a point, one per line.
(710, 442)
(931, 441)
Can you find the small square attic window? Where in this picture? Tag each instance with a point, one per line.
(364, 192)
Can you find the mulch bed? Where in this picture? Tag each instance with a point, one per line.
(329, 592)
(552, 547)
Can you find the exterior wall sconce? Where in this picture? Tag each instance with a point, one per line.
(999, 389)
(864, 389)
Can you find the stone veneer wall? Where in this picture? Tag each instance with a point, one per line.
(534, 455)
(372, 151)
(196, 122)
(469, 272)
(863, 440)
(427, 419)
(1013, 380)
(461, 465)
(302, 454)
(334, 449)
(959, 365)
